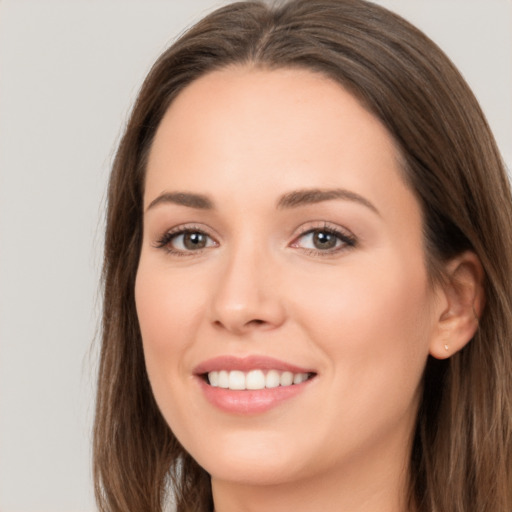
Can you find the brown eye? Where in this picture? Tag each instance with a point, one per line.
(186, 241)
(323, 240)
(194, 240)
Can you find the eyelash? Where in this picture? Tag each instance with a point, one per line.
(347, 240)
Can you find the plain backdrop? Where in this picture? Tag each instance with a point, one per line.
(69, 72)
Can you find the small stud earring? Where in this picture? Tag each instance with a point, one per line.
(446, 348)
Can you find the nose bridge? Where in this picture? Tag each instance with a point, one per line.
(246, 296)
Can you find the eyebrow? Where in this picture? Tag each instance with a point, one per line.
(292, 199)
(197, 201)
(314, 195)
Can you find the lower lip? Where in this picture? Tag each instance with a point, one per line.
(250, 401)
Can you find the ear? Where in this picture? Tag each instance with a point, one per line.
(463, 304)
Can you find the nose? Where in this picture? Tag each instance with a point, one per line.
(247, 297)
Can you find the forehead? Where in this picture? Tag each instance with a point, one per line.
(288, 127)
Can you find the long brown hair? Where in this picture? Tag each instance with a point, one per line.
(462, 452)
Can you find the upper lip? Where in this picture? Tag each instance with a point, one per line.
(245, 364)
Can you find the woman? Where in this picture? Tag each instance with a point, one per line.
(307, 275)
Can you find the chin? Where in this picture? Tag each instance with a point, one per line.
(250, 461)
(250, 471)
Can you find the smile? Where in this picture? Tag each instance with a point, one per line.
(255, 379)
(252, 384)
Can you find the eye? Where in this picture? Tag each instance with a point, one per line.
(321, 240)
(325, 240)
(185, 241)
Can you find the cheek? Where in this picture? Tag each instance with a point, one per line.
(167, 308)
(373, 331)
(387, 296)
(373, 323)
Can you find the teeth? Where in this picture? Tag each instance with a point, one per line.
(236, 380)
(255, 379)
(272, 379)
(300, 377)
(286, 379)
(213, 377)
(223, 379)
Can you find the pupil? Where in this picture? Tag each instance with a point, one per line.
(323, 240)
(194, 240)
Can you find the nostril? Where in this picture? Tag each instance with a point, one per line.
(256, 322)
(240, 327)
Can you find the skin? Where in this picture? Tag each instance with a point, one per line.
(364, 317)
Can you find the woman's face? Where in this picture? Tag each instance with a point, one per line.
(282, 252)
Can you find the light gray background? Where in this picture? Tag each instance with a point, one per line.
(69, 72)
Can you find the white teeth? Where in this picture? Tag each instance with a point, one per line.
(213, 377)
(272, 379)
(255, 379)
(300, 377)
(223, 379)
(286, 379)
(236, 380)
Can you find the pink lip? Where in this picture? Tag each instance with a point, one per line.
(246, 364)
(248, 402)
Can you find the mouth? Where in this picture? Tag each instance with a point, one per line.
(251, 385)
(256, 379)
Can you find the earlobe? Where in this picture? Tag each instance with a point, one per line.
(464, 294)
